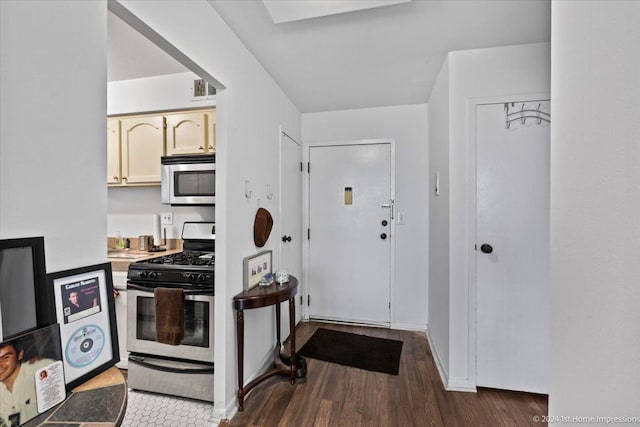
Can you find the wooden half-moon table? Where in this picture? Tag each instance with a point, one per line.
(258, 297)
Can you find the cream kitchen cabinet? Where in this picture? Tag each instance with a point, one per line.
(135, 143)
(211, 131)
(142, 143)
(186, 133)
(191, 132)
(114, 167)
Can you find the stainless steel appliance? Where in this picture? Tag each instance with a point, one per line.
(188, 179)
(185, 369)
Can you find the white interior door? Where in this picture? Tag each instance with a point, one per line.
(512, 281)
(350, 192)
(291, 217)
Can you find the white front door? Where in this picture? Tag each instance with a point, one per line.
(291, 219)
(350, 235)
(512, 248)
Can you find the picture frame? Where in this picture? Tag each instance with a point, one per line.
(24, 291)
(85, 309)
(35, 359)
(255, 267)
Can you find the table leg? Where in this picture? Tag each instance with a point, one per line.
(278, 324)
(240, 326)
(292, 338)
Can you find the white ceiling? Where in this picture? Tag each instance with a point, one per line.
(132, 56)
(367, 58)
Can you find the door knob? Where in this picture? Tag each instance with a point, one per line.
(383, 236)
(286, 238)
(384, 223)
(486, 248)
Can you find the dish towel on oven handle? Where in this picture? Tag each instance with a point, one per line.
(169, 315)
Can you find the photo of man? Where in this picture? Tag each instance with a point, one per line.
(17, 384)
(80, 299)
(74, 305)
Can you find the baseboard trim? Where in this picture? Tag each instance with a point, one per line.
(457, 384)
(449, 384)
(444, 376)
(419, 327)
(220, 415)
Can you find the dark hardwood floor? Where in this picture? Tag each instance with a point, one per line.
(336, 395)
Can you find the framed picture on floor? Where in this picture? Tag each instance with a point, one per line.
(85, 310)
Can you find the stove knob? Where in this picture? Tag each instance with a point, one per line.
(153, 275)
(144, 274)
(201, 277)
(191, 277)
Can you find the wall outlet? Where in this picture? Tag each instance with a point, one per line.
(166, 218)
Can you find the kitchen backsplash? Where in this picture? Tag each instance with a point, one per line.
(130, 212)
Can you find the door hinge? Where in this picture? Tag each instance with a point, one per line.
(300, 166)
(389, 305)
(308, 167)
(308, 234)
(308, 300)
(301, 300)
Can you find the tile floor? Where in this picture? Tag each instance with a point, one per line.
(157, 410)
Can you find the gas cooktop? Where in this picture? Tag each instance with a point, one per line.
(186, 258)
(194, 265)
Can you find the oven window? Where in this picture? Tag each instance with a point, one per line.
(194, 183)
(196, 321)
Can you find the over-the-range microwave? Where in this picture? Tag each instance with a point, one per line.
(188, 179)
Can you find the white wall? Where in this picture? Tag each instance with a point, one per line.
(52, 120)
(478, 73)
(158, 93)
(407, 125)
(130, 212)
(595, 210)
(438, 332)
(249, 112)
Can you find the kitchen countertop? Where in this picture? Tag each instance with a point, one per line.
(121, 258)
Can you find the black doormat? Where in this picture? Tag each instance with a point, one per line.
(358, 351)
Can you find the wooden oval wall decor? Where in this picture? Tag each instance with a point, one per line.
(262, 227)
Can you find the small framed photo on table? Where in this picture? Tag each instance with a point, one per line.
(256, 267)
(85, 310)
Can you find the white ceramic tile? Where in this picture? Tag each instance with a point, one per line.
(156, 410)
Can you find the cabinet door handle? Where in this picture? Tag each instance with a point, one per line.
(210, 147)
(115, 178)
(124, 178)
(201, 148)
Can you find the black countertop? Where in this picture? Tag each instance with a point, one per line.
(102, 399)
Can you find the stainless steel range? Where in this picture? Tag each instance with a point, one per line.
(186, 368)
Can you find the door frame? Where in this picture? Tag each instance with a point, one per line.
(282, 133)
(306, 220)
(472, 288)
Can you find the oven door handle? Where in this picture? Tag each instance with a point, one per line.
(184, 291)
(140, 361)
